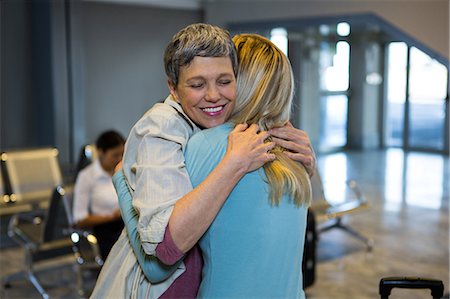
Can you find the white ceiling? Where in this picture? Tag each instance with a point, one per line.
(175, 4)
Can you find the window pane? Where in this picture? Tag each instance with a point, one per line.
(396, 93)
(428, 88)
(334, 121)
(428, 78)
(334, 60)
(279, 37)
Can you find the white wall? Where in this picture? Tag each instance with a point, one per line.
(123, 49)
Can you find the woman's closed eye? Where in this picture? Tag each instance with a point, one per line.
(196, 85)
(224, 82)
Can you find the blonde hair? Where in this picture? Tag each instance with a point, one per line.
(265, 89)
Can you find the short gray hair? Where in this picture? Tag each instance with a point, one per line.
(199, 39)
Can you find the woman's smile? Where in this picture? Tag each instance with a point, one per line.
(213, 111)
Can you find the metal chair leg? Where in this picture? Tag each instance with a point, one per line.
(25, 275)
(339, 224)
(33, 279)
(6, 282)
(80, 282)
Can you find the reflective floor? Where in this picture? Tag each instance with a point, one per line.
(408, 221)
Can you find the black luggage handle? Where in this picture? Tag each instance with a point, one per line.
(388, 283)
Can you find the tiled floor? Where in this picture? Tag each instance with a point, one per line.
(408, 220)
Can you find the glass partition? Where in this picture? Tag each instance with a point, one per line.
(427, 93)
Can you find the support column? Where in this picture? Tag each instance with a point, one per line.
(60, 81)
(68, 84)
(365, 93)
(304, 55)
(42, 97)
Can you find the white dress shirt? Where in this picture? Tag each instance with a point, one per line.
(94, 193)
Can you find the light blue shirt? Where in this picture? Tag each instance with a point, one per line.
(252, 249)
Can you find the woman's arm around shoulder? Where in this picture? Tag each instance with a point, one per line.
(194, 212)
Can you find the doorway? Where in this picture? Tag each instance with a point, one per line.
(416, 101)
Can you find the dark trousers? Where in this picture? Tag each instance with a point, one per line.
(107, 234)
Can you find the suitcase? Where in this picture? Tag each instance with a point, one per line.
(388, 283)
(309, 251)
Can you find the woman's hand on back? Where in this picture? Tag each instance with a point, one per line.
(247, 148)
(298, 145)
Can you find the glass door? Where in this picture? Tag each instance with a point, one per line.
(427, 93)
(417, 87)
(397, 54)
(334, 64)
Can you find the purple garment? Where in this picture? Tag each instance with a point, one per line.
(188, 283)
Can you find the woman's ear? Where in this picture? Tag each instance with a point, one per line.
(173, 90)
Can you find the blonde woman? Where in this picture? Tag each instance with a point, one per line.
(254, 246)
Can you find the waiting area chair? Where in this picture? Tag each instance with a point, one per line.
(29, 177)
(51, 237)
(4, 197)
(42, 238)
(85, 248)
(88, 153)
(331, 215)
(2, 187)
(41, 221)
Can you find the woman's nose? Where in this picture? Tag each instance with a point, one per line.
(212, 94)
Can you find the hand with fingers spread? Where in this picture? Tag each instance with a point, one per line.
(298, 145)
(247, 147)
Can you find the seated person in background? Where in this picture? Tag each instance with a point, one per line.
(95, 199)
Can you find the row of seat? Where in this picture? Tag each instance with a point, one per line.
(28, 178)
(41, 222)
